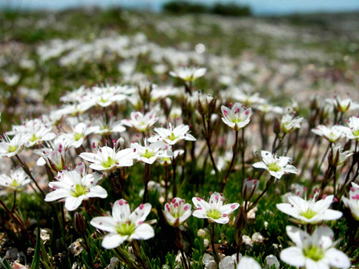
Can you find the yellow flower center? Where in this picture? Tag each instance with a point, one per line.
(214, 214)
(274, 167)
(172, 137)
(12, 148)
(79, 190)
(78, 136)
(108, 163)
(147, 154)
(314, 253)
(125, 229)
(308, 214)
(34, 138)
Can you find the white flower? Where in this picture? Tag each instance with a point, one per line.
(331, 133)
(103, 128)
(313, 252)
(310, 211)
(236, 117)
(106, 95)
(37, 132)
(289, 123)
(147, 153)
(248, 263)
(74, 187)
(276, 166)
(172, 135)
(53, 156)
(353, 201)
(352, 131)
(11, 146)
(342, 105)
(177, 211)
(107, 158)
(78, 135)
(188, 74)
(16, 181)
(268, 108)
(141, 122)
(124, 225)
(214, 211)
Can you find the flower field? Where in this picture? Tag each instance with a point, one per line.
(140, 140)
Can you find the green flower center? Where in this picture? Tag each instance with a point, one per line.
(147, 154)
(237, 120)
(79, 190)
(314, 253)
(34, 138)
(214, 214)
(12, 148)
(108, 163)
(172, 137)
(356, 133)
(125, 229)
(274, 167)
(103, 100)
(78, 136)
(308, 214)
(14, 183)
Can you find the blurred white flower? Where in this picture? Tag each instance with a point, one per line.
(331, 133)
(313, 251)
(188, 74)
(236, 117)
(16, 181)
(353, 201)
(310, 211)
(172, 135)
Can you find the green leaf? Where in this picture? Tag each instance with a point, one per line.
(36, 259)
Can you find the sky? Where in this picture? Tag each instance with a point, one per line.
(259, 7)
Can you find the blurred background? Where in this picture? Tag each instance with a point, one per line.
(257, 7)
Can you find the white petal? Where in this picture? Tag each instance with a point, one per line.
(200, 213)
(337, 258)
(104, 223)
(297, 235)
(113, 240)
(121, 210)
(248, 263)
(56, 195)
(97, 191)
(260, 165)
(331, 214)
(72, 203)
(140, 213)
(143, 232)
(200, 203)
(288, 209)
(293, 256)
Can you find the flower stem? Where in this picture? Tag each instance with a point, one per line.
(146, 180)
(234, 155)
(28, 172)
(215, 254)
